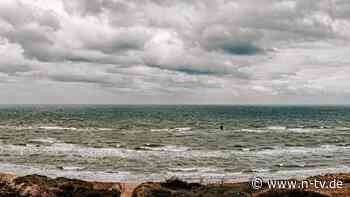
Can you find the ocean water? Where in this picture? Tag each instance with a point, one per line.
(143, 143)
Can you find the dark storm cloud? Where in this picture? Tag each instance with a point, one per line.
(35, 42)
(78, 78)
(120, 40)
(31, 29)
(84, 7)
(237, 48)
(13, 69)
(188, 69)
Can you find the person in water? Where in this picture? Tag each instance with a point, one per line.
(221, 127)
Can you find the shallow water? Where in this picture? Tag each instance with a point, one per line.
(138, 143)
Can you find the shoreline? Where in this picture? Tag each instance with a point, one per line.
(37, 185)
(188, 176)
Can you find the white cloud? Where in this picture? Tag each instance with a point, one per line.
(239, 51)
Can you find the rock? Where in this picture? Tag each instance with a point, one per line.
(176, 184)
(178, 188)
(6, 178)
(218, 192)
(151, 189)
(41, 186)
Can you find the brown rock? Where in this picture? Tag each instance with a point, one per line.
(151, 189)
(41, 186)
(178, 188)
(6, 178)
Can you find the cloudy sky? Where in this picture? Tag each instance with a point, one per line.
(166, 51)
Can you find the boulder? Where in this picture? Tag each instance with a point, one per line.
(42, 186)
(178, 188)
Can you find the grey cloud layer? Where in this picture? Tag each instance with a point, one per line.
(243, 50)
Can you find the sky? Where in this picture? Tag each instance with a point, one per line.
(175, 52)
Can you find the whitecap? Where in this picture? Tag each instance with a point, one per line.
(276, 128)
(183, 129)
(73, 128)
(57, 128)
(54, 172)
(342, 129)
(254, 130)
(104, 129)
(299, 130)
(245, 149)
(71, 168)
(285, 129)
(303, 150)
(159, 130)
(43, 140)
(307, 130)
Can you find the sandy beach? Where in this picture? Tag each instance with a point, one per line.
(41, 186)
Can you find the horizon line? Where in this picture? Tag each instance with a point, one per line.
(179, 104)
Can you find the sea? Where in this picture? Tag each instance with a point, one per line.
(196, 143)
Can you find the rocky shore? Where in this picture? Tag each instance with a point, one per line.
(41, 186)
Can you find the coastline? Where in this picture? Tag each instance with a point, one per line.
(37, 186)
